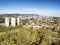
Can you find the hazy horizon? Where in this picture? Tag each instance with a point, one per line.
(41, 7)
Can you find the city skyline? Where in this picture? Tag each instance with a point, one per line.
(41, 7)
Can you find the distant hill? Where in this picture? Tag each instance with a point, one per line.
(15, 15)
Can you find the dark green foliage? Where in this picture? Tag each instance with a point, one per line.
(2, 20)
(25, 21)
(4, 29)
(26, 37)
(22, 36)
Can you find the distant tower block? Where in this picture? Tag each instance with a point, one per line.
(13, 21)
(7, 21)
(18, 21)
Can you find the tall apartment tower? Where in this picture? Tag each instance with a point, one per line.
(7, 21)
(18, 21)
(13, 21)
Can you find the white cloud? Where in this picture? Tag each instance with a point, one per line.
(44, 12)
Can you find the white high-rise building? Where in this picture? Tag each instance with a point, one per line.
(7, 21)
(18, 21)
(13, 21)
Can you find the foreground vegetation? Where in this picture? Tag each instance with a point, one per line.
(23, 36)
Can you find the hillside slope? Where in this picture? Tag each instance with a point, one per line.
(29, 36)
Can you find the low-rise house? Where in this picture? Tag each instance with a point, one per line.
(37, 27)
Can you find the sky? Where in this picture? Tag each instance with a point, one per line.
(41, 7)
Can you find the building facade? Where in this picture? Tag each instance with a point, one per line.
(11, 21)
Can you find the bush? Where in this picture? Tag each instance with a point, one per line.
(26, 37)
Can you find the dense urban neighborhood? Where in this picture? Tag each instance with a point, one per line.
(29, 29)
